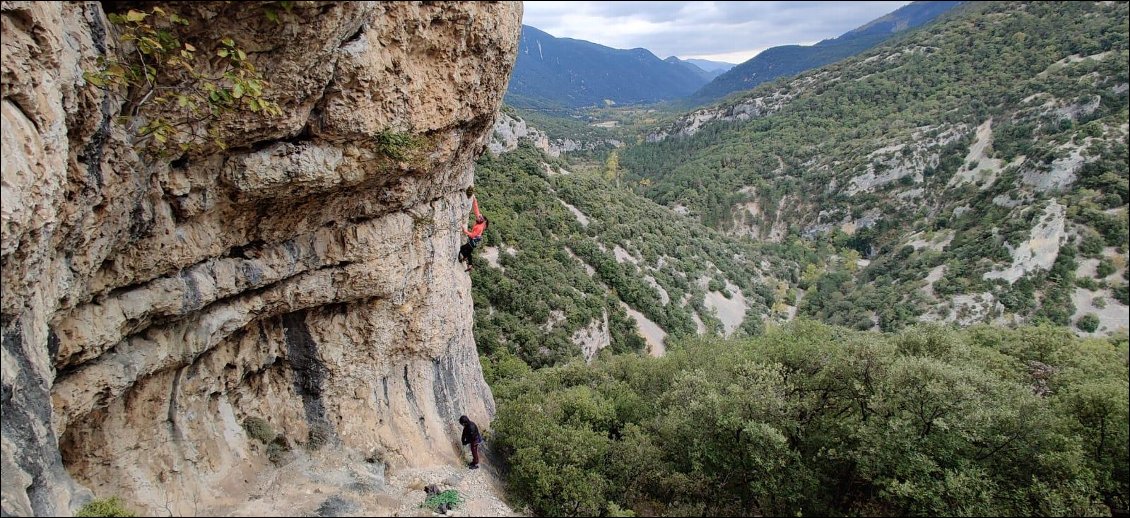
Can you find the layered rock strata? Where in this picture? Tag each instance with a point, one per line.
(305, 275)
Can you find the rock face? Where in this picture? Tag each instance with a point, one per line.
(747, 109)
(509, 130)
(305, 275)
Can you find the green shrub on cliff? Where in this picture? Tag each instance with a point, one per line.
(112, 506)
(257, 428)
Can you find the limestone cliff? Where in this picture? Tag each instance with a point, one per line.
(300, 276)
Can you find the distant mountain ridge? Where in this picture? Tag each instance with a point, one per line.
(697, 70)
(793, 59)
(562, 73)
(706, 69)
(711, 66)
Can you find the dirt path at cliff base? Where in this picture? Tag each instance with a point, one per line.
(340, 482)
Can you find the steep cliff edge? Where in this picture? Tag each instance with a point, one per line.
(302, 276)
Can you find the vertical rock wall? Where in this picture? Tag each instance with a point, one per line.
(305, 275)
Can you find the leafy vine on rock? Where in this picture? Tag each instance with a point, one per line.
(171, 90)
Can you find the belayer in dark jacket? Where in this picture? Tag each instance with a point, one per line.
(472, 437)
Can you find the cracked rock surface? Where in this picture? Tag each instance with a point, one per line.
(304, 275)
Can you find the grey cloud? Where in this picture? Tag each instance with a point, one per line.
(702, 28)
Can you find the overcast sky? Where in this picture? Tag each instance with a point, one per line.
(720, 31)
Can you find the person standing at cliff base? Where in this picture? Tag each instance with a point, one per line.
(473, 438)
(475, 235)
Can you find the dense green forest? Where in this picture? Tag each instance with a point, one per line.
(817, 420)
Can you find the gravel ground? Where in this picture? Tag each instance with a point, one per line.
(340, 482)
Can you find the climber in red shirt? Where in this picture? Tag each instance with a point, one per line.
(475, 235)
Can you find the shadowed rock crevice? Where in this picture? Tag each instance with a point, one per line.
(445, 388)
(32, 476)
(309, 371)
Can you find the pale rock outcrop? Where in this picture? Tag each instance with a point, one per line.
(1040, 250)
(979, 167)
(754, 108)
(743, 110)
(593, 337)
(654, 336)
(510, 130)
(303, 275)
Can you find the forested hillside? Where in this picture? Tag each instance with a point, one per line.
(974, 171)
(805, 419)
(566, 250)
(893, 286)
(816, 420)
(561, 74)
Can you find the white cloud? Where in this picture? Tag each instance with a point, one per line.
(727, 57)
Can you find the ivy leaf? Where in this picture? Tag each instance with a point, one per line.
(94, 79)
(189, 47)
(228, 42)
(237, 91)
(135, 16)
(223, 53)
(150, 43)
